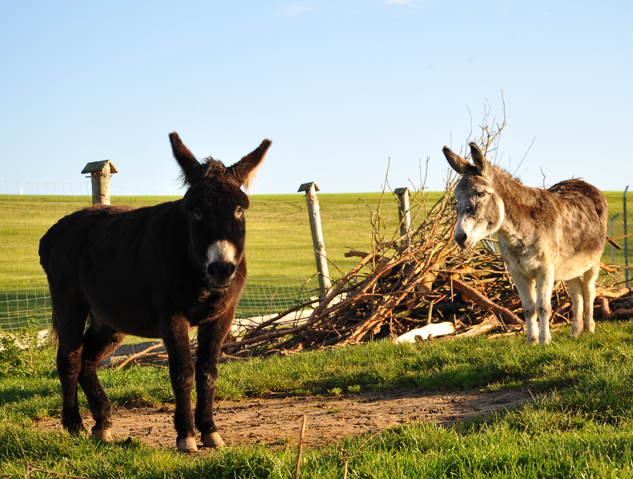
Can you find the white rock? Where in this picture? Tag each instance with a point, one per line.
(433, 329)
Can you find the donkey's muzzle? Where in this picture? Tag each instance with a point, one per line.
(460, 239)
(221, 273)
(222, 261)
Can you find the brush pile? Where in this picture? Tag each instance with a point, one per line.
(415, 280)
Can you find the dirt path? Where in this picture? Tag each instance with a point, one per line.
(277, 421)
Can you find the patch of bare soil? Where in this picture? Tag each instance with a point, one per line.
(277, 421)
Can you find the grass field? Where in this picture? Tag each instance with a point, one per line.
(280, 255)
(581, 428)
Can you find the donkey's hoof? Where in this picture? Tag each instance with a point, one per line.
(187, 444)
(102, 434)
(212, 440)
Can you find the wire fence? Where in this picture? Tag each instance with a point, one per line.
(620, 224)
(280, 254)
(25, 215)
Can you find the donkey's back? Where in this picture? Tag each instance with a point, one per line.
(581, 214)
(98, 256)
(67, 242)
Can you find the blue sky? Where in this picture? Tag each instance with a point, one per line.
(339, 86)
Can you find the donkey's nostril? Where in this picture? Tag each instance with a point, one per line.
(230, 270)
(460, 237)
(221, 271)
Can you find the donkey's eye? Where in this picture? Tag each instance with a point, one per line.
(239, 212)
(481, 195)
(197, 215)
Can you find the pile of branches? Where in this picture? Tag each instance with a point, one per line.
(418, 279)
(409, 282)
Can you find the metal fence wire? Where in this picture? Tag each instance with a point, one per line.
(620, 225)
(24, 218)
(280, 253)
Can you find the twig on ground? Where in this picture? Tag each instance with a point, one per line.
(303, 430)
(134, 356)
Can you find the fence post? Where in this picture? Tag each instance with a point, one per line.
(317, 236)
(100, 173)
(403, 210)
(626, 241)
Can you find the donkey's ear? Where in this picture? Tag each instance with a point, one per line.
(478, 157)
(244, 170)
(188, 163)
(460, 165)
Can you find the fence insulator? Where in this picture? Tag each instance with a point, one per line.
(317, 236)
(100, 172)
(404, 210)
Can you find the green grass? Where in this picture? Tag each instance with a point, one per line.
(581, 424)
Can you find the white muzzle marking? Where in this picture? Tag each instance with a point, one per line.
(221, 250)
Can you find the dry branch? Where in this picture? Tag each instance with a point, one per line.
(31, 468)
(607, 293)
(484, 302)
(303, 431)
(138, 355)
(488, 324)
(606, 312)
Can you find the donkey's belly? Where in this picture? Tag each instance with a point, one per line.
(567, 269)
(135, 321)
(120, 298)
(564, 269)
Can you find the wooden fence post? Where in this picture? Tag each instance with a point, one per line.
(404, 210)
(100, 173)
(317, 236)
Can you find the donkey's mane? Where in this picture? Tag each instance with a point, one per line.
(208, 167)
(505, 173)
(213, 167)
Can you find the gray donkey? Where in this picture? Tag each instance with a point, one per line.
(544, 236)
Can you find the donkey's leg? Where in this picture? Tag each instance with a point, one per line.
(527, 292)
(69, 317)
(589, 293)
(544, 287)
(175, 333)
(99, 340)
(210, 338)
(575, 291)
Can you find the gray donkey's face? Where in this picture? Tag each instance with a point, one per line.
(480, 209)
